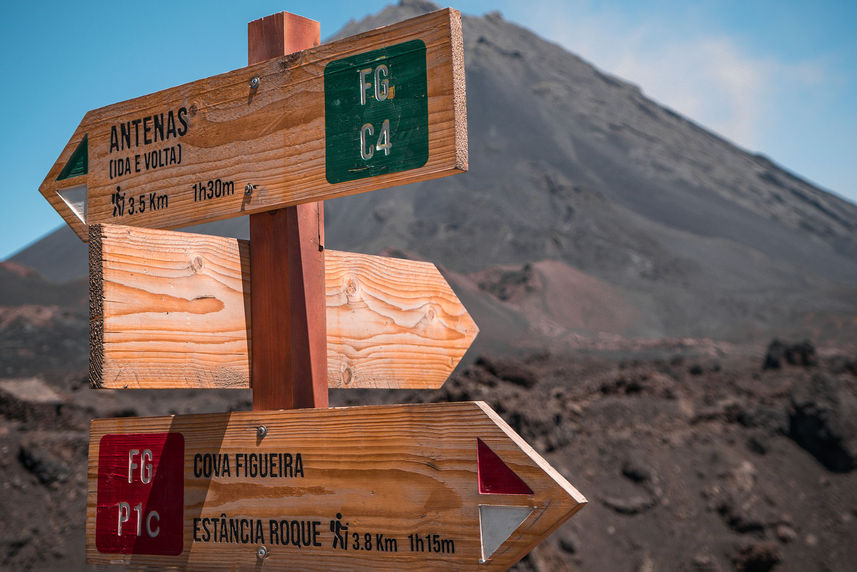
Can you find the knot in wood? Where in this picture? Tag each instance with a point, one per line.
(351, 287)
(197, 264)
(290, 60)
(346, 376)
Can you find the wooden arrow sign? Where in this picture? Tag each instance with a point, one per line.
(383, 108)
(444, 486)
(172, 310)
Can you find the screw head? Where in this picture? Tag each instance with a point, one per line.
(248, 188)
(254, 83)
(261, 553)
(261, 431)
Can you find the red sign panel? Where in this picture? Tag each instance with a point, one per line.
(140, 494)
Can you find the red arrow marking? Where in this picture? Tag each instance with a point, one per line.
(495, 477)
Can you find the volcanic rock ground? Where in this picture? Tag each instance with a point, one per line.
(628, 271)
(694, 455)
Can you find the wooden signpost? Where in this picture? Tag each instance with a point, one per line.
(368, 112)
(181, 319)
(443, 486)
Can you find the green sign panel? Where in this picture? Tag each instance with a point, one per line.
(78, 163)
(376, 112)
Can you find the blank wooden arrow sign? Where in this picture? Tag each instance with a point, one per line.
(375, 110)
(442, 486)
(172, 310)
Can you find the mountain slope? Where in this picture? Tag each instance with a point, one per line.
(574, 166)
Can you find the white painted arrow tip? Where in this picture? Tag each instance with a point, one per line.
(496, 525)
(75, 198)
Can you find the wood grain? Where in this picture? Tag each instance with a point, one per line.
(289, 352)
(172, 310)
(392, 470)
(272, 136)
(280, 34)
(289, 358)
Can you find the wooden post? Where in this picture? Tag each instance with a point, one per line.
(289, 333)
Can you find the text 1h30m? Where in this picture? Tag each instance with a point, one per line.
(212, 189)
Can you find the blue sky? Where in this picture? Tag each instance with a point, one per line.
(779, 78)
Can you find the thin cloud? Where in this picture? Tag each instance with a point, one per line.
(709, 77)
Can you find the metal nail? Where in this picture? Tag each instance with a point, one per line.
(261, 553)
(248, 189)
(261, 431)
(254, 83)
